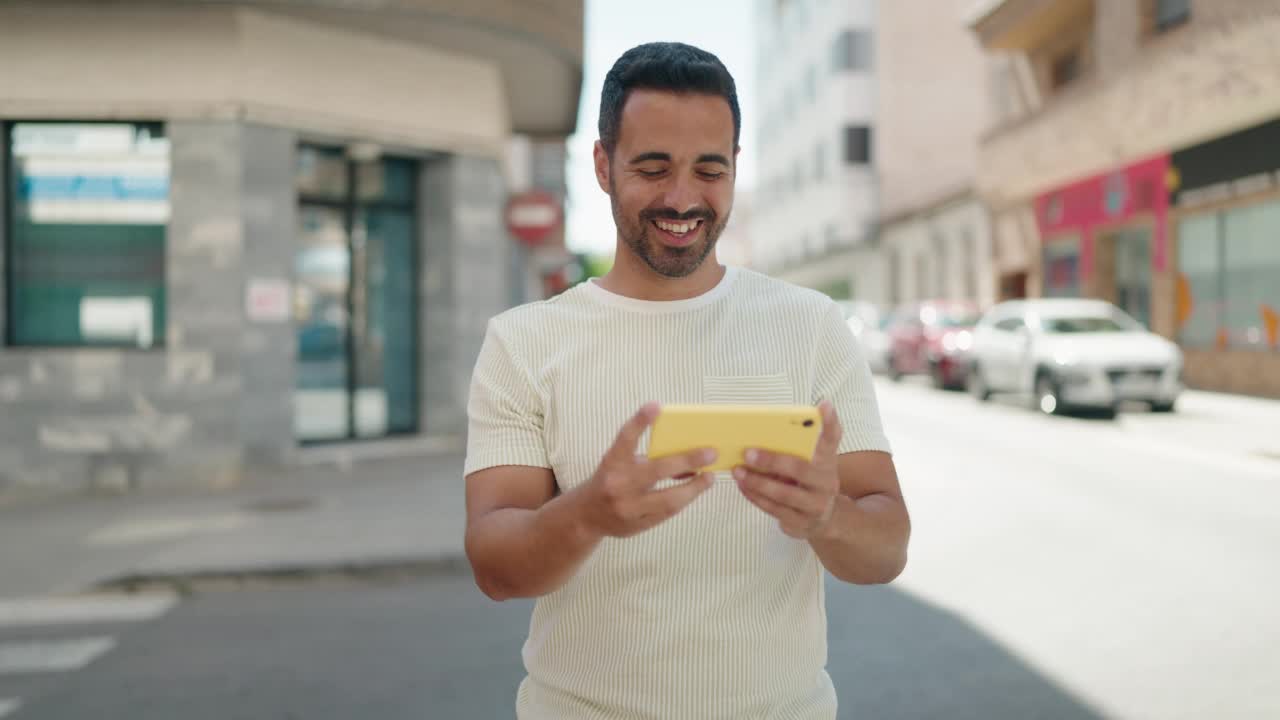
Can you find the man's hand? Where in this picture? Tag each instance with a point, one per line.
(800, 493)
(619, 500)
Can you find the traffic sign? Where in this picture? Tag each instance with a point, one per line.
(532, 216)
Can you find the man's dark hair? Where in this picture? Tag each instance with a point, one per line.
(669, 66)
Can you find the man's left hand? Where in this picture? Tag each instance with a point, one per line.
(800, 493)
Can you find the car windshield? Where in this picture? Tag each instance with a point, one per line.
(957, 318)
(1084, 324)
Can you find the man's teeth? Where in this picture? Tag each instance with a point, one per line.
(677, 228)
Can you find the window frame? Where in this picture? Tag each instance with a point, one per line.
(7, 339)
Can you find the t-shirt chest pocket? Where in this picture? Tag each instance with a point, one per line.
(747, 390)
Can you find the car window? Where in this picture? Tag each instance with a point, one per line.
(1082, 324)
(1012, 324)
(958, 318)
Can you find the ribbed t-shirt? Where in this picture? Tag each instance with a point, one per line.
(715, 613)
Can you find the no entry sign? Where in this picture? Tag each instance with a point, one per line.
(532, 216)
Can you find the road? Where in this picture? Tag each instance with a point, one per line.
(1060, 568)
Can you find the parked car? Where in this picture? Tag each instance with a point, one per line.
(932, 338)
(1071, 354)
(867, 321)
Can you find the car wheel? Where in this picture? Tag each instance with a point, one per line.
(1163, 407)
(977, 385)
(1047, 398)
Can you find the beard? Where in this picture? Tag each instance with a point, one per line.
(667, 261)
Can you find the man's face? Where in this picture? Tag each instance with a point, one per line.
(670, 178)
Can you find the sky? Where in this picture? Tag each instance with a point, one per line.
(722, 27)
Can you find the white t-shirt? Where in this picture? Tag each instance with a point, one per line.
(715, 613)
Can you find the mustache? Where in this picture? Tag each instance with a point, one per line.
(672, 215)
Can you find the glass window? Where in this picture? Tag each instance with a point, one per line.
(1171, 13)
(1251, 275)
(1227, 294)
(322, 274)
(384, 331)
(322, 173)
(389, 180)
(89, 210)
(1199, 291)
(1084, 324)
(1012, 324)
(1062, 267)
(852, 51)
(857, 145)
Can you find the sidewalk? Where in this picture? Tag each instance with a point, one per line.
(397, 512)
(1243, 426)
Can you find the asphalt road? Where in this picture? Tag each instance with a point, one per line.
(1060, 568)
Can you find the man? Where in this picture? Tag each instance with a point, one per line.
(664, 593)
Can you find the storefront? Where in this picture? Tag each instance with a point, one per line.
(1226, 304)
(1107, 237)
(250, 249)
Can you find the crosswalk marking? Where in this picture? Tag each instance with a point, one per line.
(9, 705)
(99, 609)
(51, 655)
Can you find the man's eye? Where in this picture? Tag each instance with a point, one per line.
(711, 175)
(650, 173)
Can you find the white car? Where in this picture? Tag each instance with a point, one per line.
(1073, 354)
(867, 322)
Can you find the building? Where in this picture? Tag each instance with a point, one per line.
(234, 230)
(934, 229)
(735, 244)
(1132, 157)
(816, 194)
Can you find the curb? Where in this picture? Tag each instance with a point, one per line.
(383, 571)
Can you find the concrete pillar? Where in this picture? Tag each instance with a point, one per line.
(268, 348)
(205, 296)
(465, 270)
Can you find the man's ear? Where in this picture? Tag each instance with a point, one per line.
(601, 157)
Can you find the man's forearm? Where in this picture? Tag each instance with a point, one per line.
(865, 541)
(520, 553)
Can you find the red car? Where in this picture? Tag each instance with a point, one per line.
(932, 338)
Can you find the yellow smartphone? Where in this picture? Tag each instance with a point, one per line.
(732, 429)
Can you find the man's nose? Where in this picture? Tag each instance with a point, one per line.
(681, 194)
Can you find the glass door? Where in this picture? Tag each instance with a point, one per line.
(356, 298)
(322, 275)
(1133, 273)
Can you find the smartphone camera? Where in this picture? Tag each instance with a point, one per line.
(808, 423)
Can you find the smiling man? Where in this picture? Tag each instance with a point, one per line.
(661, 592)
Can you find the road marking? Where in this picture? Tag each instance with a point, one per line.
(9, 705)
(154, 530)
(52, 655)
(100, 609)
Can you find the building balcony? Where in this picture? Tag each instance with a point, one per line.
(1025, 25)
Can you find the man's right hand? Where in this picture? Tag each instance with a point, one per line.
(619, 500)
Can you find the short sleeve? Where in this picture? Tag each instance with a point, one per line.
(842, 376)
(504, 412)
